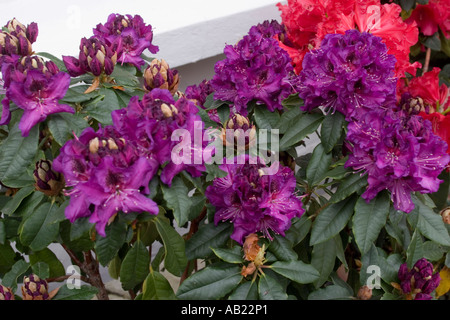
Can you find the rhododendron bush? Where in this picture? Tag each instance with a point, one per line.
(313, 165)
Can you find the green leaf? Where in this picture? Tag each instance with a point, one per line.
(85, 292)
(303, 125)
(17, 153)
(333, 292)
(76, 94)
(64, 125)
(224, 113)
(18, 269)
(100, 109)
(266, 119)
(299, 229)
(331, 129)
(2, 232)
(296, 270)
(288, 118)
(282, 248)
(125, 75)
(175, 259)
(208, 235)
(369, 219)
(107, 247)
(135, 266)
(318, 166)
(233, 255)
(41, 269)
(332, 220)
(433, 42)
(178, 200)
(15, 201)
(431, 224)
(245, 291)
(371, 258)
(7, 255)
(156, 287)
(415, 249)
(38, 230)
(353, 183)
(269, 288)
(440, 197)
(211, 283)
(56, 268)
(323, 258)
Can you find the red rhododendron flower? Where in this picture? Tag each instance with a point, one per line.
(427, 87)
(431, 17)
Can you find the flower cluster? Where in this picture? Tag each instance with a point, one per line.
(431, 17)
(106, 174)
(199, 93)
(307, 23)
(419, 282)
(350, 73)
(149, 123)
(399, 152)
(34, 86)
(121, 39)
(159, 75)
(16, 39)
(255, 69)
(254, 201)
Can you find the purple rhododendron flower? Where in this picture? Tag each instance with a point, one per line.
(351, 73)
(399, 152)
(149, 124)
(255, 69)
(34, 86)
(252, 201)
(199, 93)
(129, 35)
(420, 280)
(107, 175)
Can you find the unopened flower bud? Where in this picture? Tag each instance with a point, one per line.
(166, 110)
(445, 214)
(48, 181)
(159, 75)
(364, 293)
(6, 293)
(34, 288)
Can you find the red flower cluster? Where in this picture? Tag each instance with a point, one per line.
(307, 22)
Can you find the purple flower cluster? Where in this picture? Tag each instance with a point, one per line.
(16, 39)
(399, 152)
(149, 124)
(351, 73)
(121, 39)
(129, 35)
(255, 69)
(107, 174)
(34, 86)
(199, 93)
(419, 282)
(254, 202)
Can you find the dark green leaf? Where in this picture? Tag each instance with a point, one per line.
(415, 249)
(178, 200)
(100, 109)
(296, 270)
(39, 229)
(41, 269)
(305, 124)
(269, 288)
(266, 119)
(353, 183)
(369, 219)
(175, 258)
(233, 255)
(17, 153)
(288, 119)
(135, 266)
(207, 236)
(18, 269)
(156, 287)
(245, 291)
(433, 42)
(107, 247)
(299, 229)
(333, 292)
(15, 201)
(211, 283)
(85, 292)
(332, 220)
(331, 129)
(7, 255)
(64, 125)
(318, 166)
(56, 268)
(224, 113)
(323, 258)
(368, 260)
(282, 248)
